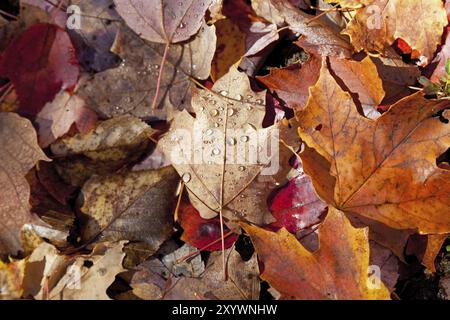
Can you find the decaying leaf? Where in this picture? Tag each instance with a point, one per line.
(338, 270)
(11, 279)
(134, 206)
(377, 25)
(242, 283)
(19, 153)
(384, 171)
(130, 88)
(109, 147)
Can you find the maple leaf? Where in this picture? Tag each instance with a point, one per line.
(337, 270)
(317, 37)
(215, 152)
(163, 21)
(381, 22)
(40, 62)
(143, 215)
(131, 87)
(19, 153)
(384, 170)
(56, 118)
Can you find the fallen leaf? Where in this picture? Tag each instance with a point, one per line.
(134, 206)
(19, 153)
(338, 270)
(200, 232)
(296, 206)
(111, 145)
(317, 37)
(383, 171)
(40, 62)
(131, 87)
(11, 279)
(377, 25)
(242, 283)
(292, 83)
(163, 21)
(56, 118)
(211, 152)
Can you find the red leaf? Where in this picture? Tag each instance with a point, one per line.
(40, 62)
(297, 206)
(200, 232)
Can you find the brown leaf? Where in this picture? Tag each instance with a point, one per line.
(131, 87)
(337, 270)
(134, 206)
(242, 283)
(384, 171)
(163, 21)
(19, 153)
(215, 153)
(292, 83)
(317, 37)
(380, 23)
(113, 143)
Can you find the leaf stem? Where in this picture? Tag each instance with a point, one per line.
(161, 69)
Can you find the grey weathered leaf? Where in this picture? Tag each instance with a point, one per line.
(131, 87)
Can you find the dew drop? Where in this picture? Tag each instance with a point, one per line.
(244, 138)
(186, 177)
(249, 96)
(213, 102)
(215, 151)
(214, 112)
(239, 97)
(224, 93)
(216, 125)
(230, 112)
(249, 107)
(182, 25)
(221, 108)
(202, 108)
(231, 141)
(241, 168)
(220, 119)
(209, 132)
(259, 101)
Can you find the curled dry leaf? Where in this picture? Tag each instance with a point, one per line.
(165, 21)
(337, 270)
(19, 153)
(40, 62)
(113, 143)
(377, 25)
(383, 170)
(223, 154)
(131, 87)
(56, 118)
(134, 206)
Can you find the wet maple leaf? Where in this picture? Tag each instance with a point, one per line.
(385, 169)
(337, 270)
(40, 62)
